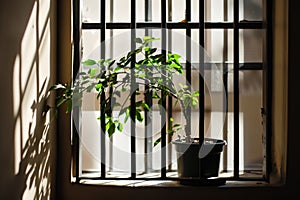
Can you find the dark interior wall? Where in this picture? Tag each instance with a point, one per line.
(293, 176)
(27, 134)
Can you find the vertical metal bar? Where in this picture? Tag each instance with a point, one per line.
(76, 64)
(133, 93)
(170, 100)
(201, 77)
(164, 104)
(236, 89)
(268, 67)
(102, 98)
(148, 10)
(188, 63)
(169, 139)
(111, 139)
(188, 10)
(148, 100)
(225, 81)
(170, 10)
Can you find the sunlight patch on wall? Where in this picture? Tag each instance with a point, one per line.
(31, 76)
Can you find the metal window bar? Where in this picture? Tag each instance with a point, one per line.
(111, 139)
(225, 81)
(188, 67)
(268, 85)
(133, 93)
(102, 98)
(170, 99)
(236, 95)
(76, 63)
(202, 26)
(164, 104)
(201, 75)
(175, 25)
(148, 100)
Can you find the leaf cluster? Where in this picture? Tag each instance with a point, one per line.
(111, 79)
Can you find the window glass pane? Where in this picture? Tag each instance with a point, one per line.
(195, 11)
(91, 11)
(140, 11)
(90, 137)
(90, 44)
(251, 127)
(251, 45)
(176, 10)
(219, 10)
(154, 10)
(251, 10)
(118, 10)
(117, 43)
(219, 45)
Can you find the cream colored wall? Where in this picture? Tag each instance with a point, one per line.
(280, 92)
(28, 68)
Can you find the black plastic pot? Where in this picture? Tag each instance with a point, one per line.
(189, 157)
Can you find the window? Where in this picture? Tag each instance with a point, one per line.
(236, 74)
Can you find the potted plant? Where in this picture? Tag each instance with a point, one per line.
(112, 79)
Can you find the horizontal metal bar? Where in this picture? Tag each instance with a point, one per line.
(242, 66)
(118, 25)
(91, 26)
(177, 25)
(148, 25)
(251, 25)
(170, 178)
(251, 66)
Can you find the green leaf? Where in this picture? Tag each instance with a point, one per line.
(127, 115)
(92, 72)
(117, 105)
(157, 141)
(60, 101)
(176, 125)
(147, 49)
(138, 40)
(98, 86)
(89, 62)
(152, 50)
(139, 116)
(146, 38)
(145, 106)
(69, 107)
(101, 61)
(176, 56)
(120, 127)
(111, 63)
(111, 129)
(81, 73)
(155, 95)
(117, 69)
(196, 94)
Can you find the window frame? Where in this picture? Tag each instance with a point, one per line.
(236, 26)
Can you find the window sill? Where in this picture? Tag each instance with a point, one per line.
(171, 184)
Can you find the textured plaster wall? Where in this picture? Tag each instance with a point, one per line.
(28, 68)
